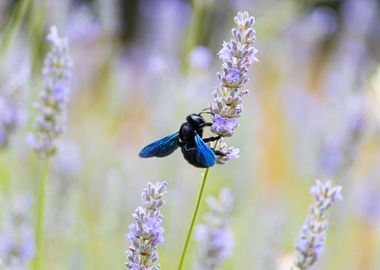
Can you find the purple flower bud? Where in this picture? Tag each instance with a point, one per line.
(232, 76)
(225, 53)
(223, 126)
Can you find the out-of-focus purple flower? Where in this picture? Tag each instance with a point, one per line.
(351, 53)
(310, 30)
(330, 155)
(345, 92)
(50, 123)
(57, 64)
(13, 90)
(367, 199)
(340, 145)
(215, 236)
(326, 193)
(357, 15)
(237, 55)
(17, 240)
(68, 164)
(310, 244)
(10, 117)
(200, 57)
(146, 233)
(370, 203)
(165, 24)
(82, 26)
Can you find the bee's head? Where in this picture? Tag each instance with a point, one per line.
(195, 119)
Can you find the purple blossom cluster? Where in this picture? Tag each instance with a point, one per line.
(237, 55)
(215, 236)
(56, 71)
(310, 244)
(17, 240)
(146, 233)
(229, 151)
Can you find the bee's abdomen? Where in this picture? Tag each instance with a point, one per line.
(190, 153)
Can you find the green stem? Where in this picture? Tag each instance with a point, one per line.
(13, 24)
(36, 33)
(194, 216)
(193, 32)
(38, 260)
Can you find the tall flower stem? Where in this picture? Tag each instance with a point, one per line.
(199, 18)
(14, 24)
(193, 32)
(189, 232)
(40, 215)
(36, 33)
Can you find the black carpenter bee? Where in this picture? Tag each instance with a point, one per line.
(189, 138)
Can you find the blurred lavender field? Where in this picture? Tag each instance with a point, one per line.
(136, 69)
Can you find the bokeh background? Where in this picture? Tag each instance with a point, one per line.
(141, 66)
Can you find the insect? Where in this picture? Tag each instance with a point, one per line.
(189, 138)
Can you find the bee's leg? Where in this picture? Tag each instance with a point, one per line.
(207, 124)
(211, 139)
(218, 153)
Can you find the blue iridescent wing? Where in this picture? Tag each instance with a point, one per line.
(160, 148)
(204, 156)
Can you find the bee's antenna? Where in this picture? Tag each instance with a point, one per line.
(205, 111)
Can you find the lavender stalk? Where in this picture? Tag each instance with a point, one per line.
(13, 24)
(51, 120)
(237, 55)
(310, 244)
(146, 233)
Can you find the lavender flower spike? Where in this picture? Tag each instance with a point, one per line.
(237, 55)
(309, 245)
(17, 240)
(146, 233)
(56, 71)
(215, 237)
